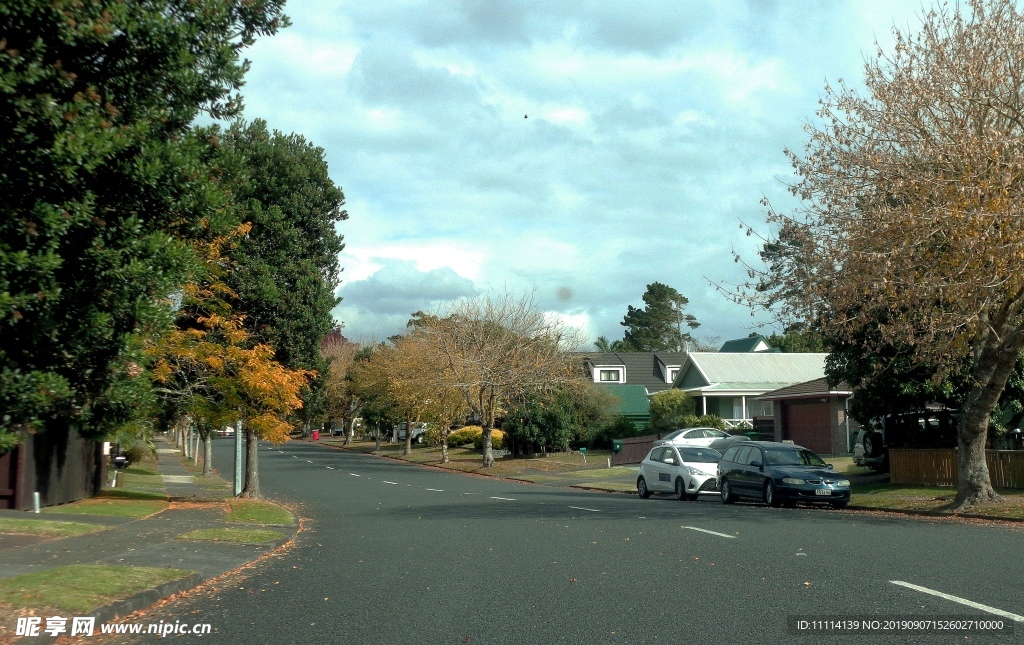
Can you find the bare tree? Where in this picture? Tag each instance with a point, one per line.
(493, 349)
(912, 200)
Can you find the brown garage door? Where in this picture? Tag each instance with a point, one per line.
(807, 425)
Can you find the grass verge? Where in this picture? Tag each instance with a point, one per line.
(256, 512)
(114, 506)
(47, 527)
(253, 536)
(81, 588)
(933, 499)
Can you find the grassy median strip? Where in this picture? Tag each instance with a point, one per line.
(81, 588)
(47, 527)
(253, 512)
(113, 506)
(253, 536)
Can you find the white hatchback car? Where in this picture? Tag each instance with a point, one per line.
(692, 437)
(685, 471)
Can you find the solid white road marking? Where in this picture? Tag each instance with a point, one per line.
(962, 601)
(507, 499)
(580, 508)
(392, 483)
(436, 490)
(694, 528)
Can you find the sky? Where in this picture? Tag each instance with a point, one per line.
(574, 150)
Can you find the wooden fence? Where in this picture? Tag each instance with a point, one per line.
(634, 449)
(938, 467)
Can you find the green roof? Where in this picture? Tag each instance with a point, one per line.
(748, 344)
(633, 402)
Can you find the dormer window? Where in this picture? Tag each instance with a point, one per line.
(609, 375)
(672, 374)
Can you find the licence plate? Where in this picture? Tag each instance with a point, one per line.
(823, 491)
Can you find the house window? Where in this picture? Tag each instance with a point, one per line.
(610, 375)
(672, 373)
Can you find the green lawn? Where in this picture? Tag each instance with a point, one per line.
(256, 512)
(47, 527)
(81, 588)
(113, 506)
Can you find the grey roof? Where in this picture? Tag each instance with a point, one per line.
(751, 371)
(642, 368)
(816, 387)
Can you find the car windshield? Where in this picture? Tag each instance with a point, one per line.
(783, 457)
(700, 455)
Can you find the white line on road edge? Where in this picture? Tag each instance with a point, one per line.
(962, 601)
(694, 528)
(436, 490)
(507, 499)
(392, 483)
(580, 508)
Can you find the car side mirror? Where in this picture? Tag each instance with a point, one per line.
(756, 464)
(829, 466)
(670, 461)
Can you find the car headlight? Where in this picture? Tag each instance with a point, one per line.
(792, 480)
(843, 482)
(696, 473)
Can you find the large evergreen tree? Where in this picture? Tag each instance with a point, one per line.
(659, 325)
(100, 186)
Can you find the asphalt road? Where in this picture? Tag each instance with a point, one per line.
(395, 553)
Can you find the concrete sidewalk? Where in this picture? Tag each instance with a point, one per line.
(146, 542)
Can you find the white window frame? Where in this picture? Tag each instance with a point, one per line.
(673, 372)
(609, 368)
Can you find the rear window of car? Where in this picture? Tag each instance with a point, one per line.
(700, 455)
(672, 435)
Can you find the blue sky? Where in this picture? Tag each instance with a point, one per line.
(580, 150)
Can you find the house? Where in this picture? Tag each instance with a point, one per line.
(749, 344)
(728, 384)
(814, 415)
(654, 370)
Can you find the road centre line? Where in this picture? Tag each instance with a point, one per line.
(354, 475)
(392, 483)
(962, 601)
(507, 499)
(725, 535)
(580, 508)
(436, 490)
(330, 468)
(308, 461)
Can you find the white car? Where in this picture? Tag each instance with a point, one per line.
(685, 471)
(692, 437)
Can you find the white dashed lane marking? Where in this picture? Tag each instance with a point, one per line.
(580, 508)
(507, 499)
(392, 483)
(330, 468)
(962, 601)
(436, 490)
(725, 535)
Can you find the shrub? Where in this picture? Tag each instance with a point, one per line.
(703, 421)
(465, 435)
(497, 440)
(619, 428)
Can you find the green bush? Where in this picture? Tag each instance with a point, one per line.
(497, 440)
(619, 428)
(463, 436)
(703, 421)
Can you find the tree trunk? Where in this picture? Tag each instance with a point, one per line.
(444, 445)
(252, 471)
(350, 433)
(377, 433)
(207, 454)
(488, 453)
(993, 367)
(408, 435)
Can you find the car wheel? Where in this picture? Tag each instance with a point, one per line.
(727, 495)
(681, 490)
(641, 488)
(841, 504)
(771, 495)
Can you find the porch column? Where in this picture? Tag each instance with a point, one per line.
(704, 403)
(744, 403)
